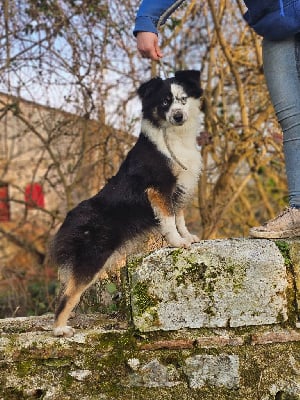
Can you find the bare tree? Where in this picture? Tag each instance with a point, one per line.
(58, 126)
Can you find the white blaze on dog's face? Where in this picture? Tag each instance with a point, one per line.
(177, 114)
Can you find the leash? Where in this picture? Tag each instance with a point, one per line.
(163, 69)
(171, 151)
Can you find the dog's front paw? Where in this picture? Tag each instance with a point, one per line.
(193, 238)
(64, 331)
(180, 242)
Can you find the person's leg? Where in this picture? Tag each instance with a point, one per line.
(282, 73)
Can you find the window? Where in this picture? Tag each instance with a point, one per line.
(4, 202)
(34, 196)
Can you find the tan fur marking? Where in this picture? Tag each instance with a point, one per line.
(158, 202)
(73, 293)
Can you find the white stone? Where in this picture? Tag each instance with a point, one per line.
(81, 374)
(216, 283)
(134, 363)
(154, 374)
(218, 371)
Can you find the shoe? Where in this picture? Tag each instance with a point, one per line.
(285, 225)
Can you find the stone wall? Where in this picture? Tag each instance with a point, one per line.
(218, 321)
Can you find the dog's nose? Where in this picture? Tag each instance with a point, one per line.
(178, 116)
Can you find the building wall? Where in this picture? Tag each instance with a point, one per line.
(69, 156)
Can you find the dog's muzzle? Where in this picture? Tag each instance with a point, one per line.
(178, 117)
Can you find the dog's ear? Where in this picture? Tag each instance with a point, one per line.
(149, 87)
(190, 79)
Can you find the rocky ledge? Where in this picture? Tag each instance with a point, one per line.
(217, 321)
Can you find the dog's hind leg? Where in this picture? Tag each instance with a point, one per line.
(69, 297)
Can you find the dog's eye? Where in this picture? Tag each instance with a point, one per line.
(183, 99)
(165, 102)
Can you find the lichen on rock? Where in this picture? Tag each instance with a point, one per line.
(212, 284)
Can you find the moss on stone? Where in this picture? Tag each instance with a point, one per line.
(143, 300)
(291, 291)
(284, 249)
(24, 368)
(194, 271)
(134, 262)
(175, 255)
(106, 355)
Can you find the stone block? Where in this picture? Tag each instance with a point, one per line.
(152, 374)
(216, 283)
(219, 371)
(294, 254)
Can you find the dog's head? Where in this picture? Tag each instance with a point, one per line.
(168, 102)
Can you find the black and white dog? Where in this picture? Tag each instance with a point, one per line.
(149, 191)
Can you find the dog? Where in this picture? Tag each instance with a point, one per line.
(150, 190)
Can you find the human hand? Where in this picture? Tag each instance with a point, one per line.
(147, 44)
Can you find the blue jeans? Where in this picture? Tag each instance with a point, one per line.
(282, 72)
